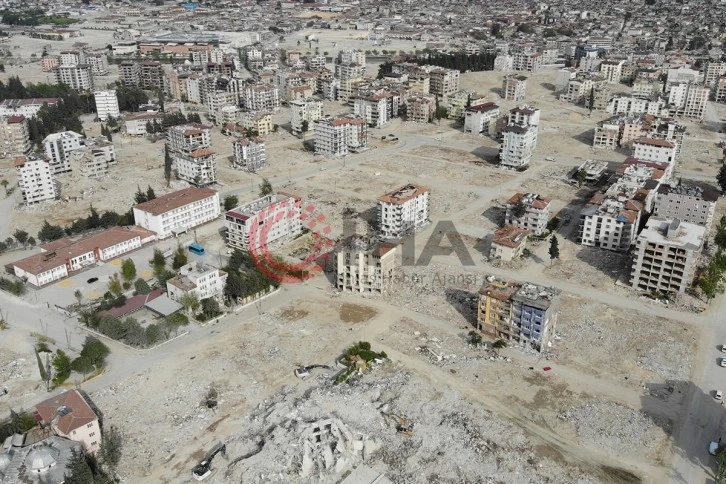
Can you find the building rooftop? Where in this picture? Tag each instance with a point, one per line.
(660, 143)
(673, 233)
(174, 200)
(243, 212)
(403, 194)
(67, 411)
(484, 107)
(530, 199)
(690, 191)
(510, 236)
(534, 295)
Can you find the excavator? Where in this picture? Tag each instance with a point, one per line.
(204, 469)
(403, 426)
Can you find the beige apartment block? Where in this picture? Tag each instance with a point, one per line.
(528, 211)
(666, 255)
(15, 135)
(36, 179)
(365, 266)
(509, 243)
(690, 204)
(514, 88)
(402, 211)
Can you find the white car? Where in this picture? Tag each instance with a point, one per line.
(723, 348)
(549, 158)
(723, 362)
(713, 448)
(718, 395)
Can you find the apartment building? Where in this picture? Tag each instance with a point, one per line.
(94, 160)
(514, 88)
(666, 255)
(151, 75)
(443, 82)
(259, 122)
(525, 314)
(15, 135)
(682, 75)
(135, 124)
(654, 149)
(49, 62)
(189, 147)
(563, 78)
(98, 64)
(338, 136)
(351, 56)
(36, 179)
(76, 76)
(690, 204)
(402, 211)
(632, 106)
(481, 118)
(503, 63)
(198, 279)
(265, 221)
(178, 211)
(130, 73)
(508, 243)
(305, 111)
(261, 97)
(689, 100)
(714, 71)
(518, 144)
(374, 109)
(646, 88)
(721, 90)
(607, 136)
(593, 169)
(189, 137)
(249, 154)
(611, 71)
(72, 57)
(26, 107)
(70, 416)
(106, 105)
(364, 265)
(528, 211)
(527, 62)
(65, 256)
(457, 103)
(420, 108)
(58, 147)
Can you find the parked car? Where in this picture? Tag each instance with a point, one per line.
(723, 348)
(713, 448)
(723, 362)
(92, 280)
(718, 395)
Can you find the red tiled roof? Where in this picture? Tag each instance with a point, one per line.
(173, 200)
(79, 415)
(133, 304)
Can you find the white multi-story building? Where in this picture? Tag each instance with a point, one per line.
(689, 100)
(514, 88)
(481, 119)
(653, 149)
(721, 90)
(666, 255)
(94, 160)
(403, 210)
(98, 63)
(338, 136)
(714, 71)
(503, 63)
(72, 57)
(106, 105)
(265, 221)
(199, 279)
(258, 121)
(189, 137)
(261, 97)
(178, 212)
(75, 76)
(36, 179)
(682, 74)
(563, 78)
(691, 204)
(611, 70)
(374, 109)
(519, 138)
(609, 223)
(363, 266)
(198, 167)
(249, 154)
(25, 107)
(303, 110)
(15, 135)
(528, 211)
(443, 82)
(351, 56)
(528, 62)
(633, 106)
(58, 147)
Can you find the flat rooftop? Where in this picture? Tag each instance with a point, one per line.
(404, 194)
(683, 235)
(243, 212)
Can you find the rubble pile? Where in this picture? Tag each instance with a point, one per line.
(316, 435)
(612, 426)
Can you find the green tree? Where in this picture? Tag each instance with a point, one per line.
(150, 195)
(581, 177)
(141, 286)
(304, 126)
(711, 281)
(210, 307)
(61, 367)
(77, 469)
(230, 202)
(158, 259)
(114, 285)
(554, 249)
(50, 232)
(180, 258)
(128, 270)
(190, 302)
(474, 338)
(721, 469)
(95, 350)
(265, 187)
(31, 241)
(5, 184)
(519, 209)
(498, 345)
(82, 365)
(721, 178)
(109, 454)
(21, 236)
(140, 196)
(167, 165)
(591, 101)
(78, 295)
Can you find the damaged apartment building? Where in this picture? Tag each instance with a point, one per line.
(364, 265)
(524, 314)
(403, 210)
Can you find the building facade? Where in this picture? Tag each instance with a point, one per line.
(70, 416)
(106, 105)
(15, 135)
(249, 154)
(58, 147)
(402, 211)
(514, 88)
(199, 279)
(692, 205)
(363, 266)
(304, 111)
(36, 179)
(481, 119)
(76, 76)
(178, 211)
(264, 221)
(341, 135)
(528, 211)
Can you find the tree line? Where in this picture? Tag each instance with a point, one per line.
(49, 232)
(459, 60)
(171, 119)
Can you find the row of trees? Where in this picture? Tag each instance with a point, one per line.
(34, 16)
(711, 279)
(171, 119)
(244, 279)
(130, 97)
(49, 232)
(130, 331)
